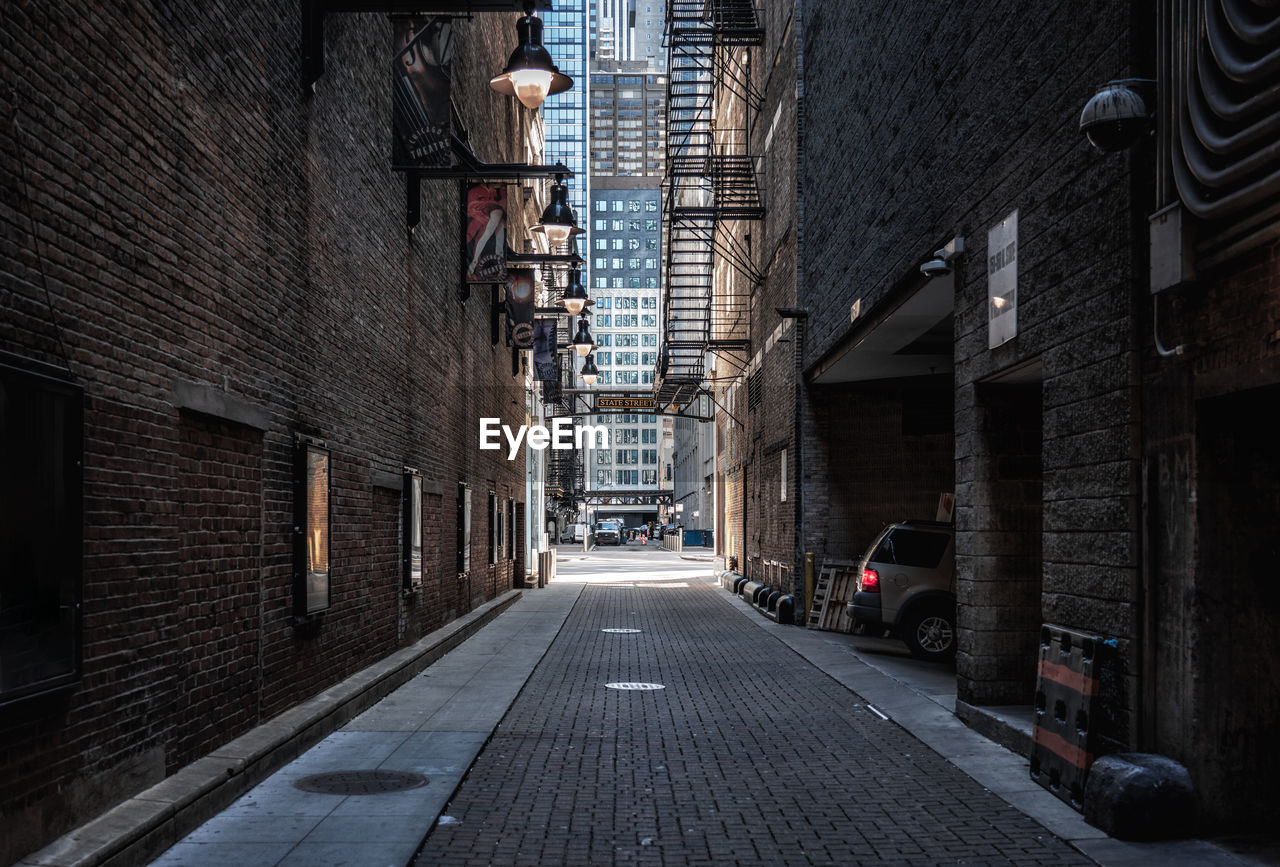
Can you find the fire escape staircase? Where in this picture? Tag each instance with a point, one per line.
(707, 184)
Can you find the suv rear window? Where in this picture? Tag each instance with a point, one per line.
(918, 548)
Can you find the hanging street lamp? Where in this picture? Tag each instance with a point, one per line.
(531, 76)
(582, 342)
(589, 371)
(575, 297)
(558, 222)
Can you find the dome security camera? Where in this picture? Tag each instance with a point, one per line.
(1116, 117)
(935, 268)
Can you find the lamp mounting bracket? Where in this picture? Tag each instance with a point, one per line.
(469, 168)
(313, 12)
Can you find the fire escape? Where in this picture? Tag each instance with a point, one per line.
(710, 183)
(566, 475)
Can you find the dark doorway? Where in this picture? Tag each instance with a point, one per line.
(998, 562)
(1237, 599)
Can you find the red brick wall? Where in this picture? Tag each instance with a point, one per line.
(202, 216)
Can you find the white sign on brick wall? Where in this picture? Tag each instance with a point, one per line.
(1002, 281)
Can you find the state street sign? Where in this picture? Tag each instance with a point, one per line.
(628, 404)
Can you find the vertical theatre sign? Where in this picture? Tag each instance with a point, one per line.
(486, 232)
(520, 308)
(1002, 281)
(420, 106)
(546, 367)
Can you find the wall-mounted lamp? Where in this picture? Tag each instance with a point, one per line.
(582, 342)
(589, 371)
(575, 297)
(1117, 116)
(940, 264)
(558, 221)
(531, 76)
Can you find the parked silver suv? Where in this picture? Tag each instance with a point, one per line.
(906, 582)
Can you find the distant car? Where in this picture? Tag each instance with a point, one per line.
(906, 582)
(573, 533)
(609, 533)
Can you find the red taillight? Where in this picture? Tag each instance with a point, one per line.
(870, 581)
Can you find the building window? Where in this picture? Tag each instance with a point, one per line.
(40, 582)
(412, 530)
(511, 529)
(650, 477)
(783, 467)
(311, 528)
(464, 528)
(495, 528)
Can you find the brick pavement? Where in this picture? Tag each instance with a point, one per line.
(580, 774)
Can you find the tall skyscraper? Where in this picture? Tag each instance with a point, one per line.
(564, 115)
(628, 120)
(628, 31)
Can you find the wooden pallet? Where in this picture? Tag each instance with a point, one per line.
(834, 587)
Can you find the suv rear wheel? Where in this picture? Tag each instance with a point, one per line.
(930, 632)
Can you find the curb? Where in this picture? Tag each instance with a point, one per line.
(139, 829)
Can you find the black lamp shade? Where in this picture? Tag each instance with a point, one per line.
(582, 342)
(589, 371)
(558, 221)
(530, 75)
(575, 297)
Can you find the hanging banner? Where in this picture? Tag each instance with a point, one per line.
(546, 366)
(520, 308)
(486, 231)
(421, 112)
(1002, 281)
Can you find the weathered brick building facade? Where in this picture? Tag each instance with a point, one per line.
(1102, 483)
(211, 258)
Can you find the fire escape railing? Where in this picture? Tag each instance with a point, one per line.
(708, 183)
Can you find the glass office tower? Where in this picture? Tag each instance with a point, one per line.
(564, 115)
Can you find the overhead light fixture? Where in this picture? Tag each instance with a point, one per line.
(582, 342)
(558, 222)
(531, 76)
(1117, 116)
(940, 264)
(589, 371)
(575, 297)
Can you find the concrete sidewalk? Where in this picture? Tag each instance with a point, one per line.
(920, 697)
(433, 726)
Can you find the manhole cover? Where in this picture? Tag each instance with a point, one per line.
(360, 782)
(634, 686)
(621, 631)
